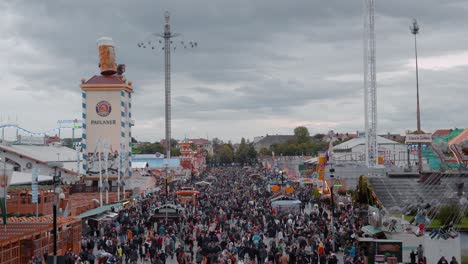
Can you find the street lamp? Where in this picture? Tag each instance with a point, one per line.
(56, 180)
(414, 28)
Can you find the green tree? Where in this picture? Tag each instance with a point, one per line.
(301, 134)
(252, 155)
(175, 152)
(148, 148)
(226, 156)
(241, 155)
(364, 192)
(450, 213)
(318, 137)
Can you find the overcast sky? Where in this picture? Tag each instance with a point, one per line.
(261, 66)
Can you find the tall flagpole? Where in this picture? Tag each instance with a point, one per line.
(118, 172)
(100, 174)
(106, 158)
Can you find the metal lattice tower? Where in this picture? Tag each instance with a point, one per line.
(370, 88)
(167, 81)
(168, 45)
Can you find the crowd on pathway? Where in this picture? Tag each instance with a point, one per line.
(232, 221)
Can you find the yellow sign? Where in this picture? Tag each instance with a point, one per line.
(275, 188)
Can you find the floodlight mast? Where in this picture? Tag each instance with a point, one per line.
(370, 87)
(414, 28)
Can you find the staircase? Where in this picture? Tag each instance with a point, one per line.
(399, 192)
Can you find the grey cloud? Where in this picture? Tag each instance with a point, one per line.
(255, 59)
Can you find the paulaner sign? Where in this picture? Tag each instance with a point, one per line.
(418, 138)
(103, 122)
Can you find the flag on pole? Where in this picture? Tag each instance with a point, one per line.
(3, 208)
(4, 182)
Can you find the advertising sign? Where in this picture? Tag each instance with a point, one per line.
(34, 182)
(391, 249)
(70, 121)
(418, 138)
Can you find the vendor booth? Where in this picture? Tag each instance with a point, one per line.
(282, 203)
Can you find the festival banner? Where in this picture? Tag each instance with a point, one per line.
(4, 182)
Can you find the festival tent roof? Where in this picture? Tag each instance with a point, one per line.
(362, 141)
(157, 162)
(203, 183)
(21, 178)
(282, 198)
(139, 165)
(286, 202)
(98, 210)
(371, 230)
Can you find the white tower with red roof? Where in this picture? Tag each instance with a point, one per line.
(107, 117)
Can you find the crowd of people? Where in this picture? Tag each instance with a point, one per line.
(231, 221)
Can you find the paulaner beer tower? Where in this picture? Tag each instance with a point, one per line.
(107, 120)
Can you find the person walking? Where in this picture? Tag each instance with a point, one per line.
(454, 261)
(420, 251)
(413, 257)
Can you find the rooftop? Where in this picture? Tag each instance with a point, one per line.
(21, 178)
(46, 153)
(362, 141)
(110, 79)
(154, 162)
(441, 132)
(272, 139)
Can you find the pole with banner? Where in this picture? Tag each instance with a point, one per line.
(4, 182)
(118, 171)
(106, 159)
(34, 189)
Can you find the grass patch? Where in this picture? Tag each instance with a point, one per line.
(436, 222)
(464, 259)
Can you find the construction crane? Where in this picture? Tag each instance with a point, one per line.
(370, 89)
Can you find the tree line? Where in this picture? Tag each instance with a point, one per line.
(226, 153)
(302, 143)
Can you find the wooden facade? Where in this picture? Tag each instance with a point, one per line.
(20, 241)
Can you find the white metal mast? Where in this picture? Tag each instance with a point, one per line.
(370, 88)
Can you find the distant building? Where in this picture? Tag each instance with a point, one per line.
(52, 139)
(390, 152)
(394, 137)
(202, 144)
(25, 158)
(441, 132)
(268, 140)
(344, 136)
